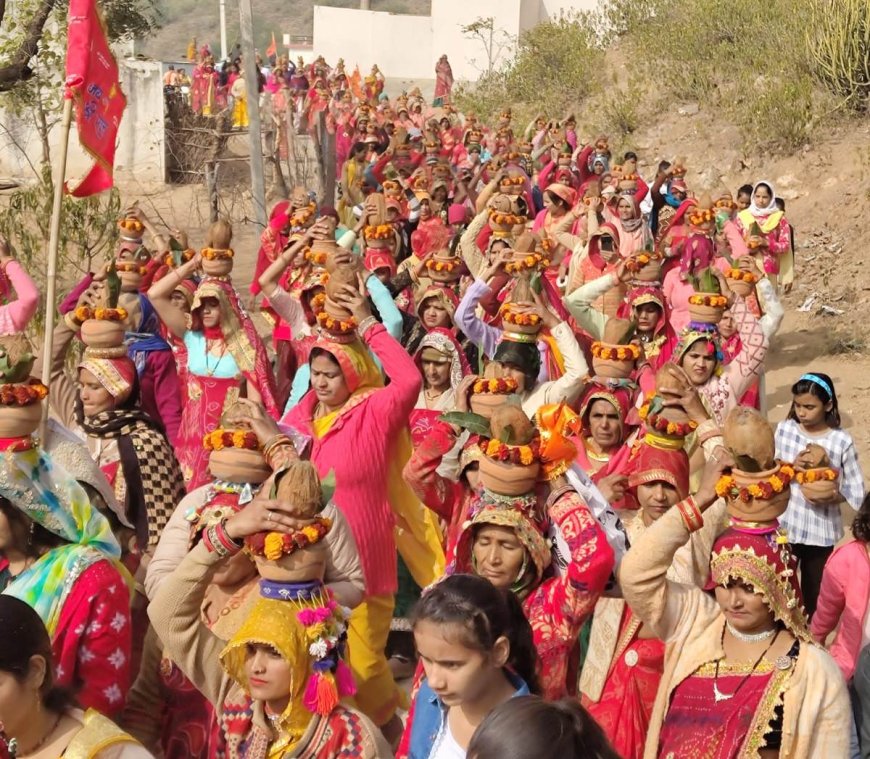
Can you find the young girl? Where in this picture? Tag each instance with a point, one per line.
(814, 528)
(476, 649)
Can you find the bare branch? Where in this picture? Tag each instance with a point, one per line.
(19, 69)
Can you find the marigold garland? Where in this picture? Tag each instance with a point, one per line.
(186, 255)
(378, 232)
(336, 326)
(316, 257)
(638, 262)
(319, 301)
(713, 301)
(133, 226)
(131, 266)
(441, 265)
(660, 424)
(215, 254)
(274, 545)
(511, 316)
(741, 276)
(760, 491)
(629, 352)
(725, 203)
(219, 438)
(510, 219)
(823, 474)
(511, 454)
(499, 386)
(701, 216)
(22, 393)
(84, 313)
(515, 181)
(527, 263)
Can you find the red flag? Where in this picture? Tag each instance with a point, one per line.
(92, 82)
(272, 50)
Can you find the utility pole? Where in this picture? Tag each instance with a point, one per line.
(249, 60)
(365, 5)
(223, 12)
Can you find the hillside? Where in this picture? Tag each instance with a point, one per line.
(181, 20)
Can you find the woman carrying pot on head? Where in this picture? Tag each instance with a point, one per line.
(64, 562)
(348, 408)
(765, 235)
(520, 359)
(624, 660)
(265, 684)
(102, 409)
(38, 718)
(626, 216)
(226, 360)
(741, 672)
(506, 542)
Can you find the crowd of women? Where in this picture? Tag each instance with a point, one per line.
(483, 472)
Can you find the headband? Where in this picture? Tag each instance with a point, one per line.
(816, 380)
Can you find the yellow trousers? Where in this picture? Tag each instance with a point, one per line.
(377, 694)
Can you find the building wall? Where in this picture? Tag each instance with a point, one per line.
(140, 154)
(550, 9)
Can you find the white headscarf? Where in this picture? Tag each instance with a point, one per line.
(771, 208)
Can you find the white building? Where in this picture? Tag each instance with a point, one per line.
(407, 47)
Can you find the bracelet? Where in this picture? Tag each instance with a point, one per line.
(218, 542)
(691, 514)
(366, 324)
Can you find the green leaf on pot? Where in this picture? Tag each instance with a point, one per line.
(707, 281)
(468, 420)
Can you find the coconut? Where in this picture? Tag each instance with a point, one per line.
(219, 235)
(812, 457)
(510, 425)
(298, 485)
(749, 437)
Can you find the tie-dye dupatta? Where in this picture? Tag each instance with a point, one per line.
(47, 494)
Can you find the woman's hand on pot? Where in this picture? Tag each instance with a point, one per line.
(263, 514)
(689, 400)
(353, 299)
(254, 414)
(613, 487)
(724, 287)
(463, 389)
(710, 475)
(540, 307)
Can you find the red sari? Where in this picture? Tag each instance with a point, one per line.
(626, 702)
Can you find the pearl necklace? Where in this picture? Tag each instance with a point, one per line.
(749, 637)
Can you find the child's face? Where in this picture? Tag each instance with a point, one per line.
(457, 674)
(810, 411)
(743, 201)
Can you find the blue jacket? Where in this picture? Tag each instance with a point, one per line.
(429, 714)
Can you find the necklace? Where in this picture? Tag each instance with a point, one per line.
(211, 370)
(13, 744)
(750, 637)
(718, 695)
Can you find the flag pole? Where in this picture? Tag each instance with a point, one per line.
(51, 269)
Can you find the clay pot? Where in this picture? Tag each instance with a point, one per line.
(238, 465)
(300, 566)
(335, 311)
(757, 511)
(613, 299)
(485, 403)
(97, 333)
(522, 329)
(508, 479)
(706, 314)
(821, 491)
(445, 276)
(217, 267)
(741, 287)
(19, 421)
(327, 248)
(652, 272)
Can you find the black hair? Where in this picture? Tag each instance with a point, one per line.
(629, 156)
(745, 189)
(357, 147)
(764, 184)
(524, 355)
(861, 525)
(29, 537)
(664, 165)
(484, 614)
(780, 203)
(25, 636)
(322, 352)
(561, 202)
(520, 727)
(808, 386)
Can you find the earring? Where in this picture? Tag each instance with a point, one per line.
(30, 534)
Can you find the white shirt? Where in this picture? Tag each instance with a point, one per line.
(445, 746)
